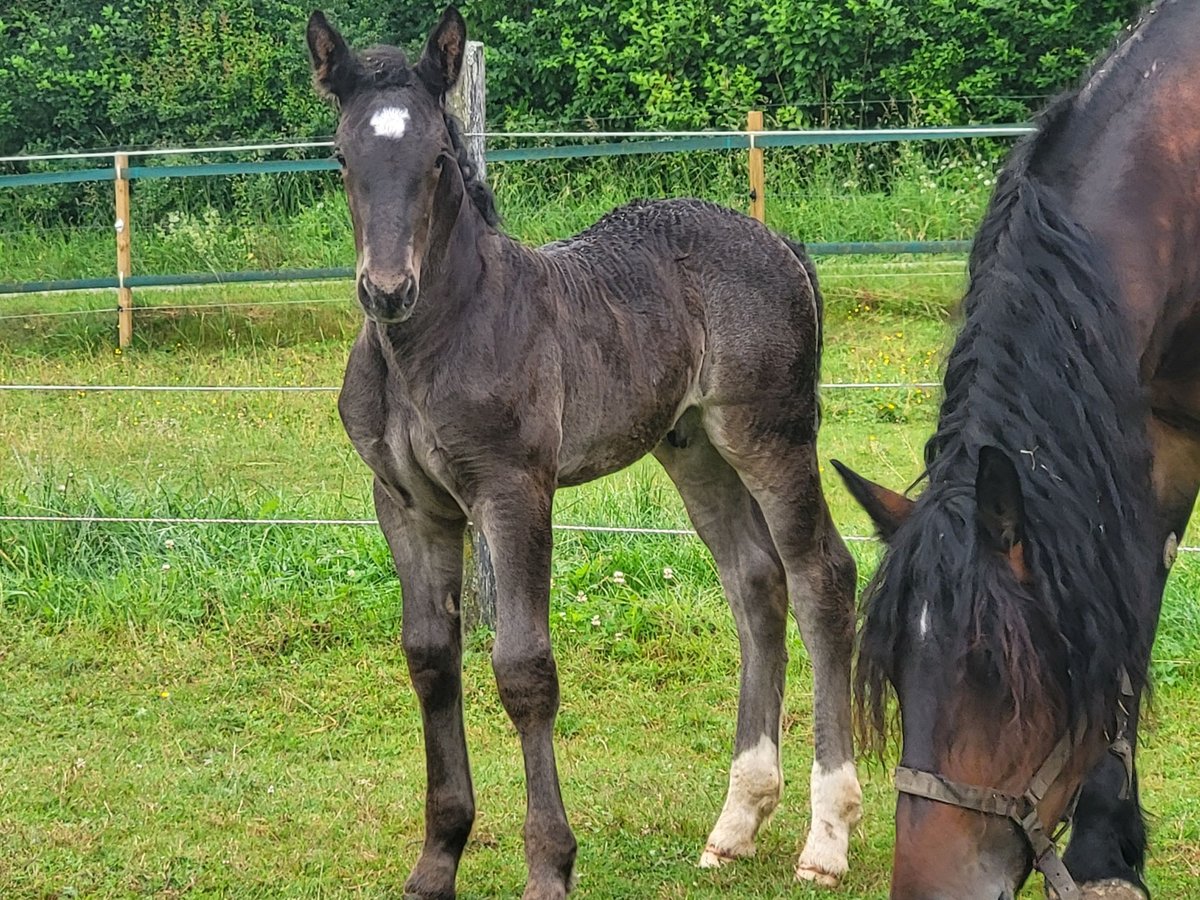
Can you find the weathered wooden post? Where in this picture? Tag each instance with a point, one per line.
(124, 251)
(468, 101)
(758, 197)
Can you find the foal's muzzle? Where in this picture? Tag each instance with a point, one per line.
(388, 300)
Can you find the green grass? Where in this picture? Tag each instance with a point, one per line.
(223, 711)
(928, 192)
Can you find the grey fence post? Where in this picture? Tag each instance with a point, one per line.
(468, 101)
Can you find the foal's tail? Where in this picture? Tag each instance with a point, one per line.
(801, 253)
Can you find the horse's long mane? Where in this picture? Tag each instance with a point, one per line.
(477, 189)
(1043, 368)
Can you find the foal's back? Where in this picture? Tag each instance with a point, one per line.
(666, 305)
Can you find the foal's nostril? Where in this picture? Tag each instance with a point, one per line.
(389, 300)
(407, 294)
(366, 290)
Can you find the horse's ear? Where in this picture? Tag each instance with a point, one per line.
(1000, 507)
(332, 61)
(441, 62)
(887, 509)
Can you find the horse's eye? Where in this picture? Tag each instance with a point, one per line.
(438, 163)
(341, 159)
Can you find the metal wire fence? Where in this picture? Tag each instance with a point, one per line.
(590, 144)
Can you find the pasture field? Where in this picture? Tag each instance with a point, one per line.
(223, 711)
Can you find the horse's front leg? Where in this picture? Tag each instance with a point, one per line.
(1107, 852)
(515, 519)
(428, 554)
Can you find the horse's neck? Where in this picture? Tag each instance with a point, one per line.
(449, 288)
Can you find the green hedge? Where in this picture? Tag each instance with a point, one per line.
(145, 72)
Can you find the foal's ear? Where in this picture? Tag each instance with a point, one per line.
(1000, 507)
(887, 509)
(332, 62)
(441, 62)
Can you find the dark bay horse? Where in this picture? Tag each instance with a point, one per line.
(487, 374)
(1016, 604)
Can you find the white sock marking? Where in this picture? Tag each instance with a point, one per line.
(755, 786)
(836, 808)
(390, 122)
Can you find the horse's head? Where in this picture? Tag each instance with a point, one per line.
(401, 157)
(961, 626)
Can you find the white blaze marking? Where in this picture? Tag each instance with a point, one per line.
(836, 809)
(755, 785)
(390, 122)
(925, 619)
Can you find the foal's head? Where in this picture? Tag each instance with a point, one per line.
(403, 163)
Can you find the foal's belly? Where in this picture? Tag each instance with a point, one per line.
(609, 437)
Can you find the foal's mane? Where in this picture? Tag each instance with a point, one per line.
(1044, 369)
(385, 67)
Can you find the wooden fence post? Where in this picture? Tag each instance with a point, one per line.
(468, 101)
(758, 197)
(124, 252)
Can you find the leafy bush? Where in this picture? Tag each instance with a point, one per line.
(135, 73)
(139, 72)
(690, 63)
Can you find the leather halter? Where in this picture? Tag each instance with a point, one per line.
(1023, 809)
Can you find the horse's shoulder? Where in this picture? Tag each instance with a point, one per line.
(361, 403)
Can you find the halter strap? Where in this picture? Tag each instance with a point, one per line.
(1023, 809)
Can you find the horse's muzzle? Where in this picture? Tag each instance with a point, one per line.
(388, 301)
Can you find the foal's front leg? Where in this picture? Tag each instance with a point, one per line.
(428, 554)
(517, 526)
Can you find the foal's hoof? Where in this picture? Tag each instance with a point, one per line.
(546, 891)
(430, 880)
(714, 857)
(818, 876)
(411, 893)
(1109, 889)
(551, 888)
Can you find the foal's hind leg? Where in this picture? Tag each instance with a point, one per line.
(428, 556)
(782, 476)
(731, 525)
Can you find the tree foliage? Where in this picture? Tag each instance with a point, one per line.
(143, 72)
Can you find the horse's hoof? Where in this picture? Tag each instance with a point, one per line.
(411, 893)
(817, 876)
(1109, 889)
(714, 857)
(432, 879)
(546, 891)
